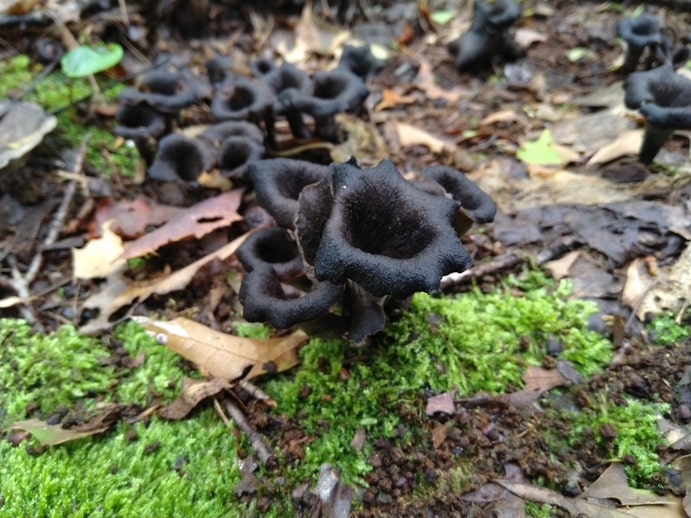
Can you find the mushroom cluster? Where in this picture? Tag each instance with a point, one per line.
(241, 106)
(663, 97)
(488, 36)
(353, 235)
(296, 95)
(659, 93)
(644, 37)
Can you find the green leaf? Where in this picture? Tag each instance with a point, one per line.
(442, 16)
(539, 151)
(85, 60)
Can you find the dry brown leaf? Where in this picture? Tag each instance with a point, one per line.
(439, 433)
(612, 484)
(52, 434)
(626, 143)
(537, 380)
(118, 292)
(559, 268)
(672, 288)
(659, 507)
(526, 37)
(100, 257)
(130, 217)
(638, 283)
(502, 116)
(195, 221)
(427, 84)
(390, 99)
(193, 392)
(225, 356)
(312, 36)
(409, 135)
(443, 403)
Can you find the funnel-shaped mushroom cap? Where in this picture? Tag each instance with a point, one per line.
(387, 235)
(240, 98)
(334, 91)
(271, 246)
(235, 155)
(475, 202)
(500, 14)
(664, 99)
(488, 35)
(180, 158)
(360, 61)
(138, 122)
(278, 183)
(219, 68)
(264, 299)
(640, 32)
(216, 134)
(166, 92)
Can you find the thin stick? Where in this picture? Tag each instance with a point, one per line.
(256, 439)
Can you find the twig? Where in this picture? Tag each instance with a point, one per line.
(21, 282)
(257, 393)
(498, 264)
(256, 439)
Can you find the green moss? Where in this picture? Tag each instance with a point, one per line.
(473, 341)
(637, 434)
(251, 329)
(184, 468)
(173, 468)
(534, 510)
(57, 93)
(664, 330)
(483, 342)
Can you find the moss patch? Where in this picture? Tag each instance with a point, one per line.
(56, 93)
(474, 341)
(157, 468)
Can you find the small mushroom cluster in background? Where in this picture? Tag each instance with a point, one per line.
(660, 94)
(246, 110)
(353, 235)
(488, 36)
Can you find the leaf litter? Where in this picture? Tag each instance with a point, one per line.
(549, 211)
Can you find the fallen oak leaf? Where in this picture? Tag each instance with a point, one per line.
(225, 356)
(390, 99)
(130, 217)
(193, 392)
(53, 434)
(100, 257)
(195, 221)
(626, 143)
(409, 135)
(118, 292)
(433, 91)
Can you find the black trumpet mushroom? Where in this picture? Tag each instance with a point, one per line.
(333, 91)
(287, 81)
(364, 236)
(165, 92)
(271, 246)
(278, 183)
(664, 98)
(141, 124)
(180, 158)
(488, 36)
(638, 33)
(240, 98)
(476, 205)
(265, 299)
(386, 235)
(360, 61)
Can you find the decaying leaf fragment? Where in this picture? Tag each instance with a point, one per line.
(22, 127)
(196, 221)
(119, 292)
(193, 392)
(100, 257)
(225, 356)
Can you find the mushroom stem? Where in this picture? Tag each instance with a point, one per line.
(654, 138)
